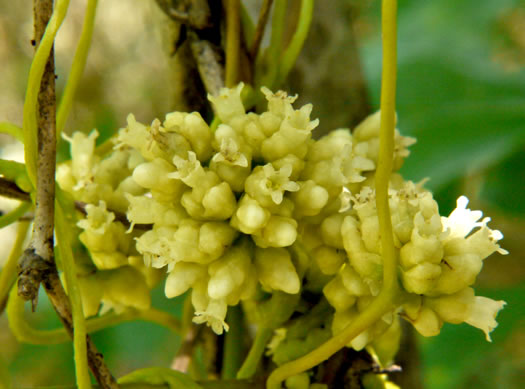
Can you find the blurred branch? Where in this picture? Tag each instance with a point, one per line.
(210, 70)
(10, 190)
(39, 257)
(196, 13)
(259, 29)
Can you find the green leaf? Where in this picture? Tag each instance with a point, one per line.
(504, 188)
(466, 111)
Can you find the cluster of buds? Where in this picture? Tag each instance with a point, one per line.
(258, 207)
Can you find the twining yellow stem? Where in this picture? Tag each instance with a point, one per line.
(33, 87)
(274, 52)
(259, 29)
(386, 300)
(77, 68)
(14, 215)
(8, 274)
(249, 366)
(62, 232)
(233, 35)
(25, 333)
(386, 141)
(296, 44)
(13, 130)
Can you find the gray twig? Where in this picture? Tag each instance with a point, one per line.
(37, 264)
(210, 70)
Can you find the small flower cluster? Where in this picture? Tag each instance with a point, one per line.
(229, 210)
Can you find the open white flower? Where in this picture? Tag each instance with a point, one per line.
(213, 316)
(483, 314)
(98, 219)
(462, 220)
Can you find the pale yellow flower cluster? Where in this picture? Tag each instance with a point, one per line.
(258, 206)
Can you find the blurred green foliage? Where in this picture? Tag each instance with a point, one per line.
(461, 93)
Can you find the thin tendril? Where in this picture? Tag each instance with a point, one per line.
(13, 130)
(233, 31)
(8, 274)
(79, 323)
(385, 301)
(14, 215)
(249, 366)
(296, 44)
(33, 86)
(274, 51)
(77, 68)
(25, 333)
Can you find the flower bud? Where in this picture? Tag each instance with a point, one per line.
(215, 238)
(146, 210)
(252, 132)
(353, 282)
(421, 249)
(194, 129)
(270, 123)
(108, 260)
(185, 243)
(250, 216)
(219, 202)
(228, 272)
(365, 263)
(182, 276)
(337, 295)
(125, 287)
(309, 199)
(329, 259)
(421, 278)
(276, 270)
(428, 322)
(83, 158)
(91, 291)
(278, 232)
(228, 104)
(331, 229)
(155, 175)
(457, 272)
(454, 308)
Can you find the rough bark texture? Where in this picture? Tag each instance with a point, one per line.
(37, 265)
